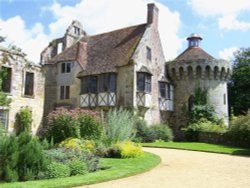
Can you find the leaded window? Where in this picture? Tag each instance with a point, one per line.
(66, 67)
(107, 82)
(89, 84)
(64, 92)
(144, 82)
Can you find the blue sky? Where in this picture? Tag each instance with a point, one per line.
(223, 24)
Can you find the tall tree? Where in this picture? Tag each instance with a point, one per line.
(239, 85)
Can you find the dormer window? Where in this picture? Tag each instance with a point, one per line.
(149, 53)
(77, 30)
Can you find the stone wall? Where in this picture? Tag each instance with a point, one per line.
(156, 66)
(187, 76)
(55, 79)
(19, 66)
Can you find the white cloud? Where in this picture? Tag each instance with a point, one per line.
(228, 53)
(96, 16)
(230, 22)
(106, 15)
(31, 41)
(225, 11)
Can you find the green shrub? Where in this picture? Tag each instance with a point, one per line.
(129, 149)
(207, 112)
(23, 121)
(113, 152)
(21, 158)
(77, 167)
(142, 130)
(63, 124)
(119, 127)
(30, 157)
(92, 161)
(8, 158)
(239, 131)
(90, 128)
(57, 170)
(192, 131)
(78, 144)
(162, 132)
(72, 143)
(62, 155)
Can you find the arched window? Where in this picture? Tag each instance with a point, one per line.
(198, 72)
(190, 72)
(207, 72)
(216, 72)
(181, 71)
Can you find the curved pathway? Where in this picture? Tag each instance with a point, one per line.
(189, 169)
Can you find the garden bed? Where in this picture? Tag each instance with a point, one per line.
(112, 169)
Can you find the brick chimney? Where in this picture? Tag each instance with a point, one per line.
(152, 15)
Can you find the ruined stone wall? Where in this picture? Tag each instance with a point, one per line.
(35, 103)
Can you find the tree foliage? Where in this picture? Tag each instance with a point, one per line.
(239, 85)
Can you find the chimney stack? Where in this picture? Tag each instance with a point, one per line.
(152, 15)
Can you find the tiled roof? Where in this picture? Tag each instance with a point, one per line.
(104, 52)
(191, 54)
(68, 54)
(107, 51)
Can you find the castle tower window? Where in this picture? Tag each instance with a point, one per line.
(144, 82)
(149, 53)
(6, 82)
(64, 92)
(29, 84)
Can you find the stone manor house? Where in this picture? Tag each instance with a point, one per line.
(122, 68)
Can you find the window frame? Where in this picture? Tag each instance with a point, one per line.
(66, 67)
(107, 83)
(64, 92)
(6, 116)
(144, 82)
(89, 81)
(8, 80)
(28, 86)
(167, 90)
(149, 53)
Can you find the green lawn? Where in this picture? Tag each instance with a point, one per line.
(197, 146)
(115, 168)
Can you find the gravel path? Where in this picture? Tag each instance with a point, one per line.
(189, 169)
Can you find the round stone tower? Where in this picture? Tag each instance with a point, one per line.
(195, 68)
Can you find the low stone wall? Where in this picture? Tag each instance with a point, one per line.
(213, 138)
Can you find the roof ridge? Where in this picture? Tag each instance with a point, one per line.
(116, 30)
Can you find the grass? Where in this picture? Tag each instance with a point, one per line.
(197, 146)
(115, 168)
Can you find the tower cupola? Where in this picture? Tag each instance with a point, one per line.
(194, 40)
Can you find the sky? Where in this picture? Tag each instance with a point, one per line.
(224, 25)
